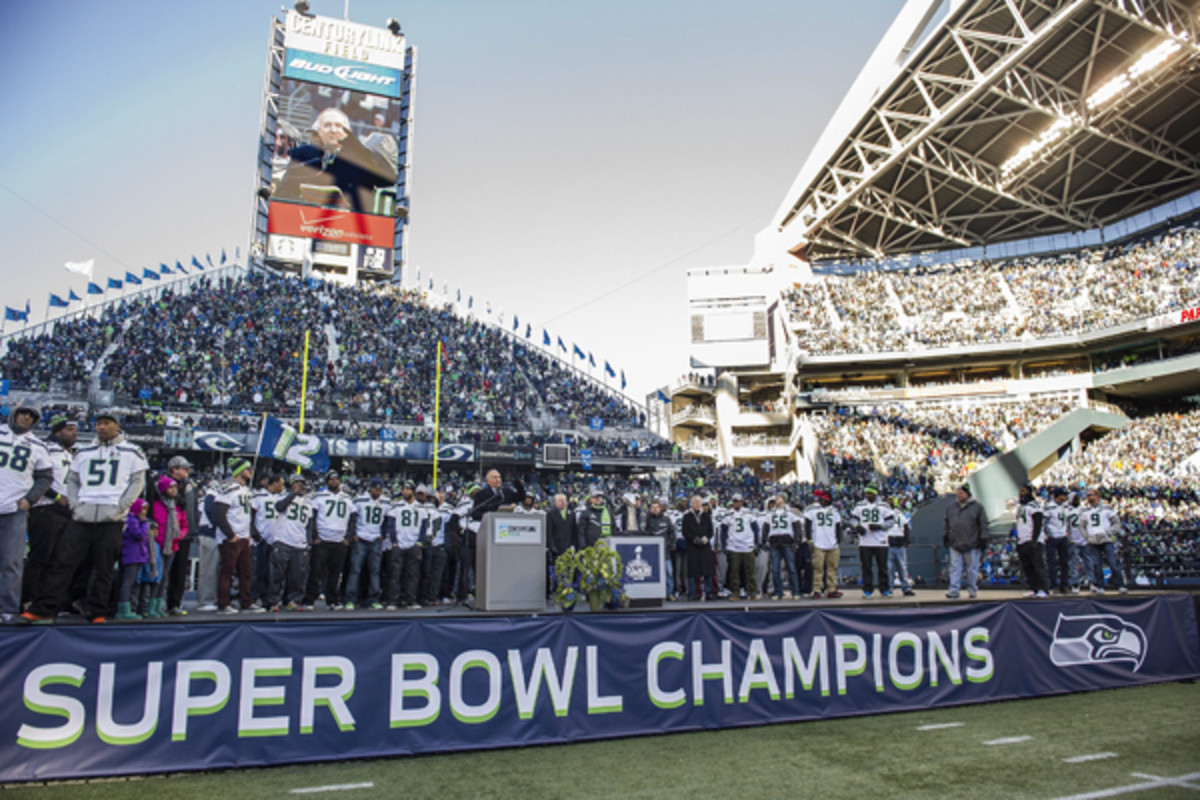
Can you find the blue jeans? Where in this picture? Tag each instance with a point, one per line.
(785, 554)
(1081, 564)
(668, 575)
(1099, 554)
(372, 554)
(12, 560)
(961, 562)
(898, 565)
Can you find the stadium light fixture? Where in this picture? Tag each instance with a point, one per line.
(1149, 61)
(393, 25)
(302, 7)
(1057, 130)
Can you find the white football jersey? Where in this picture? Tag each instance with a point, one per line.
(104, 471)
(20, 456)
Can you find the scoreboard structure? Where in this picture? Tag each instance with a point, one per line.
(332, 179)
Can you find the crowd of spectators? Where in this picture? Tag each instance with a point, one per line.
(66, 353)
(1009, 301)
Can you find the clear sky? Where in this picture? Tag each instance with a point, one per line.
(572, 160)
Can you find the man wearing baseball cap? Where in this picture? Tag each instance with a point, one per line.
(26, 472)
(50, 514)
(233, 517)
(104, 480)
(180, 469)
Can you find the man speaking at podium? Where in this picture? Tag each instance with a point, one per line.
(495, 496)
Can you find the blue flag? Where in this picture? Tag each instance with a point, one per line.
(662, 398)
(516, 322)
(113, 283)
(608, 370)
(134, 279)
(470, 301)
(15, 315)
(283, 442)
(528, 331)
(163, 269)
(196, 263)
(151, 274)
(560, 344)
(622, 380)
(180, 268)
(578, 353)
(591, 360)
(459, 298)
(94, 288)
(208, 258)
(545, 337)
(58, 302)
(74, 298)
(222, 255)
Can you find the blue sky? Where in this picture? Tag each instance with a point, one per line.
(572, 160)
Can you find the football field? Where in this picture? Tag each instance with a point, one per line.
(1141, 742)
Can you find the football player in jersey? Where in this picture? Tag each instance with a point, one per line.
(433, 554)
(1101, 528)
(407, 525)
(26, 472)
(292, 530)
(104, 480)
(823, 524)
(873, 519)
(234, 519)
(367, 550)
(335, 524)
(50, 514)
(781, 538)
(739, 537)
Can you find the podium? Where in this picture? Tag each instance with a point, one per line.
(510, 562)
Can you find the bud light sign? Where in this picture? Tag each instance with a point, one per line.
(333, 71)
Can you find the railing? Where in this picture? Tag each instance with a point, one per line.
(694, 413)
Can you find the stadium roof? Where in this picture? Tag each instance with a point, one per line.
(1010, 119)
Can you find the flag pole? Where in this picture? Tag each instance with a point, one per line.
(262, 427)
(303, 388)
(437, 413)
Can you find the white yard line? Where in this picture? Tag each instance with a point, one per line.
(337, 787)
(940, 726)
(1152, 783)
(1089, 757)
(1009, 740)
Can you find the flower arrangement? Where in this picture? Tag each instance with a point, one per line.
(596, 573)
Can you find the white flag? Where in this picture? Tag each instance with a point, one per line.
(81, 267)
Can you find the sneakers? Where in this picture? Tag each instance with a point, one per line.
(29, 618)
(1074, 590)
(292, 607)
(176, 612)
(99, 620)
(953, 595)
(1030, 594)
(886, 593)
(867, 595)
(336, 606)
(909, 593)
(254, 608)
(776, 597)
(754, 598)
(1041, 594)
(349, 606)
(308, 607)
(227, 610)
(1123, 590)
(390, 607)
(972, 593)
(207, 608)
(376, 606)
(275, 609)
(789, 596)
(414, 606)
(1097, 590)
(833, 595)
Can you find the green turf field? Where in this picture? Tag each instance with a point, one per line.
(1142, 733)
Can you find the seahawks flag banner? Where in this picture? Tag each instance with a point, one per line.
(285, 443)
(88, 700)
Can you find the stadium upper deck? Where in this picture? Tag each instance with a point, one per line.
(1009, 119)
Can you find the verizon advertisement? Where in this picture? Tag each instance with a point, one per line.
(338, 147)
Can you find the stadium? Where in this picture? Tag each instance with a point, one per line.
(975, 313)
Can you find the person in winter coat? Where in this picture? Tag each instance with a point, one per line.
(965, 534)
(171, 518)
(135, 552)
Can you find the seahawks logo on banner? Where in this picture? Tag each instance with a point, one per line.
(220, 442)
(455, 452)
(1097, 639)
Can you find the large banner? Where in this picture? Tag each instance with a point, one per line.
(313, 445)
(85, 701)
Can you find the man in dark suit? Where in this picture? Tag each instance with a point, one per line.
(336, 169)
(495, 495)
(560, 529)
